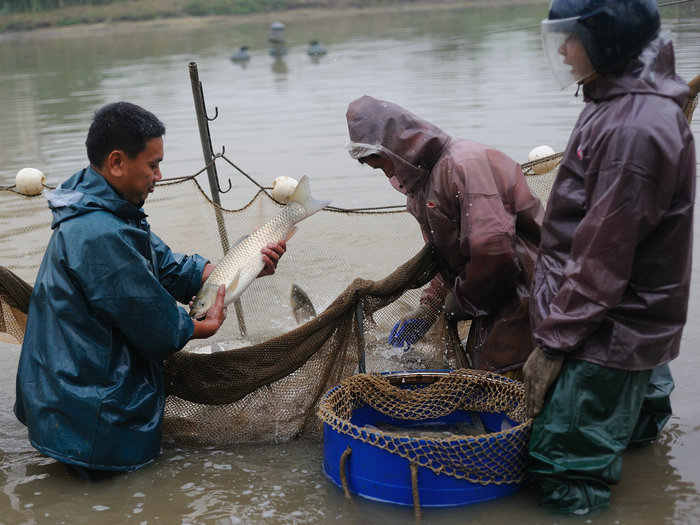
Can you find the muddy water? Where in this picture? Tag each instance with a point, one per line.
(479, 72)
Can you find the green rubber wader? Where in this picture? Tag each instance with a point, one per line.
(656, 408)
(588, 418)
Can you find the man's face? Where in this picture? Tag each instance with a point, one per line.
(139, 175)
(575, 56)
(377, 162)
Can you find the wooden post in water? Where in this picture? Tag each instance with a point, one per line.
(214, 188)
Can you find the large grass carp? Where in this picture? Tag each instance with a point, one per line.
(243, 263)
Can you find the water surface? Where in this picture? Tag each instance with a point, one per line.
(478, 72)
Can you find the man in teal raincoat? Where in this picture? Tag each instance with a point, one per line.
(103, 314)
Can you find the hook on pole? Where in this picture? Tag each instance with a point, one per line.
(218, 186)
(216, 114)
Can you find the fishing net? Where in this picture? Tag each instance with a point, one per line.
(261, 361)
(261, 378)
(14, 303)
(489, 458)
(692, 101)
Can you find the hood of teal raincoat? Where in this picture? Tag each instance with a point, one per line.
(87, 191)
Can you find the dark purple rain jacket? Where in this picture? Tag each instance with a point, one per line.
(474, 206)
(612, 279)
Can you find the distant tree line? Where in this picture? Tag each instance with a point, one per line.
(28, 6)
(188, 6)
(123, 9)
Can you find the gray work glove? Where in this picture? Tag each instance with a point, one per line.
(540, 370)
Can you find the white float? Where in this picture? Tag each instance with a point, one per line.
(29, 181)
(540, 152)
(283, 188)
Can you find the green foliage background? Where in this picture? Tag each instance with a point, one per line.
(33, 14)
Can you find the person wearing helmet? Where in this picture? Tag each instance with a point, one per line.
(610, 289)
(475, 208)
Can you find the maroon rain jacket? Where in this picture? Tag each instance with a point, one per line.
(612, 279)
(475, 208)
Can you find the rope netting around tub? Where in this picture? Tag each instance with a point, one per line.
(489, 458)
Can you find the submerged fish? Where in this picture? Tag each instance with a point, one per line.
(243, 263)
(435, 430)
(302, 308)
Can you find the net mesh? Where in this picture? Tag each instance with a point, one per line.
(490, 458)
(267, 363)
(692, 101)
(14, 303)
(261, 361)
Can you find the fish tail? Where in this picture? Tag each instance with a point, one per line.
(302, 195)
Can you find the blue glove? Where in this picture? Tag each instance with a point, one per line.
(412, 328)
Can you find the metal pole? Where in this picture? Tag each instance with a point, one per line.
(208, 152)
(360, 320)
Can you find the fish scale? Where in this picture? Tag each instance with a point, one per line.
(248, 257)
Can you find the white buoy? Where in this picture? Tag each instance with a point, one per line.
(538, 153)
(283, 188)
(29, 181)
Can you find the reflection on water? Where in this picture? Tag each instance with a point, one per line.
(477, 72)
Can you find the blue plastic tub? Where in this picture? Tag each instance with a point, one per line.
(378, 474)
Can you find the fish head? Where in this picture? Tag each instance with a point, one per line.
(203, 301)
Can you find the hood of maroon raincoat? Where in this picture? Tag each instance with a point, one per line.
(411, 143)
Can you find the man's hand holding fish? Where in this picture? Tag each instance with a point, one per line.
(271, 256)
(215, 317)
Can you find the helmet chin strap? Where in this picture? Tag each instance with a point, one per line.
(586, 80)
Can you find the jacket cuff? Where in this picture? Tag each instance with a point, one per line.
(200, 262)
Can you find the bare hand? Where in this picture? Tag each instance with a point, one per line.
(214, 318)
(271, 256)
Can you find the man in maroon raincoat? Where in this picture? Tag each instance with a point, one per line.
(611, 285)
(475, 208)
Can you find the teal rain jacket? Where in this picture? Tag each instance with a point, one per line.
(102, 318)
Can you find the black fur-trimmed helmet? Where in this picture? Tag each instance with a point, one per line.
(612, 31)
